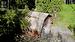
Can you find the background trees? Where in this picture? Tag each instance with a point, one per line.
(12, 20)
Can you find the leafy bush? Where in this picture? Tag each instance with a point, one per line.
(7, 20)
(24, 15)
(48, 6)
(12, 23)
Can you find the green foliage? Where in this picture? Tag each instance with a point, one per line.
(25, 11)
(24, 21)
(12, 23)
(48, 6)
(10, 14)
(21, 1)
(42, 5)
(18, 1)
(10, 20)
(67, 14)
(7, 23)
(13, 18)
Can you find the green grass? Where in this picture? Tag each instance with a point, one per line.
(67, 14)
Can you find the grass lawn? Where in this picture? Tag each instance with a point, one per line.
(67, 14)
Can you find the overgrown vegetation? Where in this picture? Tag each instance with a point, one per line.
(48, 6)
(13, 20)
